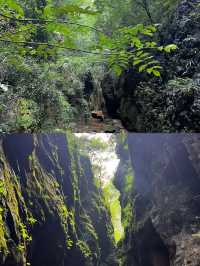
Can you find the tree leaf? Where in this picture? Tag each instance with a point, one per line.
(156, 73)
(170, 47)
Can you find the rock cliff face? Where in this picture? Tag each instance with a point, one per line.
(166, 199)
(169, 103)
(51, 212)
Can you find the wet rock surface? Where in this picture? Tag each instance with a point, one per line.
(51, 212)
(166, 198)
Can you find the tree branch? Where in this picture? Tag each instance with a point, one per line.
(50, 21)
(52, 46)
(74, 49)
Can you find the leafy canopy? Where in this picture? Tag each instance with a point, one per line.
(49, 29)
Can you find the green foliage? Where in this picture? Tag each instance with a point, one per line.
(126, 24)
(37, 98)
(169, 48)
(122, 38)
(46, 48)
(128, 181)
(32, 221)
(127, 214)
(185, 84)
(55, 11)
(1, 215)
(72, 219)
(26, 114)
(11, 6)
(64, 212)
(24, 233)
(20, 248)
(131, 12)
(25, 237)
(48, 23)
(2, 187)
(111, 195)
(84, 248)
(3, 242)
(69, 243)
(142, 52)
(97, 144)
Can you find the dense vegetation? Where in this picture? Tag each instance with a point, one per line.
(48, 49)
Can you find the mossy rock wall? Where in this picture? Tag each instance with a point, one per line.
(51, 212)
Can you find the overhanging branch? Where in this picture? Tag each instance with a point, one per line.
(52, 46)
(42, 21)
(115, 52)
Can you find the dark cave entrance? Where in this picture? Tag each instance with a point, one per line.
(159, 257)
(151, 250)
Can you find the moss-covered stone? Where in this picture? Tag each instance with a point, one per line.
(52, 213)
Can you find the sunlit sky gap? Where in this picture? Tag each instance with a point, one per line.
(108, 158)
(108, 161)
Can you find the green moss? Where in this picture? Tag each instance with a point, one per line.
(2, 188)
(42, 198)
(31, 221)
(72, 219)
(84, 248)
(127, 214)
(69, 243)
(3, 244)
(112, 195)
(12, 201)
(42, 188)
(24, 233)
(129, 180)
(88, 226)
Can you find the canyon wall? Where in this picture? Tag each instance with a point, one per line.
(51, 211)
(165, 224)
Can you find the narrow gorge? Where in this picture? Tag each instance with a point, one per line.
(100, 66)
(99, 200)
